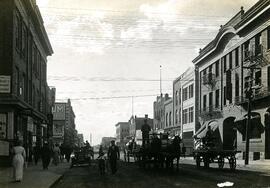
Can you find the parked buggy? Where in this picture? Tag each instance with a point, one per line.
(81, 156)
(210, 149)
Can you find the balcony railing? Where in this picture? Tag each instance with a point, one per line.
(209, 79)
(257, 57)
(257, 94)
(210, 112)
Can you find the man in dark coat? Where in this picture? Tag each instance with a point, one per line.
(45, 155)
(145, 133)
(113, 156)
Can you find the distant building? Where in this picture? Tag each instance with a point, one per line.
(168, 105)
(64, 124)
(135, 123)
(122, 132)
(106, 142)
(159, 113)
(80, 140)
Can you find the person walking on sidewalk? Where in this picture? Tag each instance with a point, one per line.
(45, 155)
(36, 154)
(113, 156)
(56, 154)
(18, 161)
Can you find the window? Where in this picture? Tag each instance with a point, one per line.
(176, 116)
(236, 85)
(268, 38)
(190, 114)
(224, 64)
(179, 115)
(230, 60)
(185, 94)
(258, 75)
(190, 91)
(176, 98)
(224, 97)
(17, 81)
(258, 42)
(185, 116)
(210, 100)
(179, 96)
(170, 119)
(24, 42)
(268, 78)
(210, 69)
(217, 68)
(204, 103)
(237, 57)
(18, 33)
(166, 119)
(246, 50)
(217, 98)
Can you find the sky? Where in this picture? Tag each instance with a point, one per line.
(107, 52)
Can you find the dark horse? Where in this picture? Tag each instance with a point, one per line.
(173, 152)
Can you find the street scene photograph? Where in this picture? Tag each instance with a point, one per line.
(134, 93)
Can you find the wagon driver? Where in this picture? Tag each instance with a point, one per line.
(145, 132)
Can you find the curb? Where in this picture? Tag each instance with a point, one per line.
(57, 180)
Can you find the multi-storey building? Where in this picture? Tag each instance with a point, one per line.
(64, 124)
(168, 107)
(236, 61)
(159, 112)
(106, 142)
(122, 133)
(24, 47)
(80, 140)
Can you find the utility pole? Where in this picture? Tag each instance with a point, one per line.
(249, 96)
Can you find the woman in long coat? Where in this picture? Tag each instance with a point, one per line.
(18, 161)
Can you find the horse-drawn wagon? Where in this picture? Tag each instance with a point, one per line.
(209, 148)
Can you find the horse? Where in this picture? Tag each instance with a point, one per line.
(173, 152)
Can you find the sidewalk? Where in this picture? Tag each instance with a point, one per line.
(262, 165)
(34, 176)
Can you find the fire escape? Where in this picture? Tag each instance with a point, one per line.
(211, 112)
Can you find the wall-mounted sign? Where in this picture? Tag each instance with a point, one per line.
(4, 84)
(59, 111)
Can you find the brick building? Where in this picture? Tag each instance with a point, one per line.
(24, 47)
(223, 71)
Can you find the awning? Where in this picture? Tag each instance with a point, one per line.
(203, 130)
(256, 127)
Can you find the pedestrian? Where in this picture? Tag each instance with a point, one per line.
(45, 155)
(101, 163)
(56, 153)
(36, 154)
(145, 133)
(18, 161)
(68, 153)
(113, 156)
(61, 147)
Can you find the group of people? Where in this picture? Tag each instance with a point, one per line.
(46, 153)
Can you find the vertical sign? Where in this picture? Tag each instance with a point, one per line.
(59, 111)
(4, 84)
(3, 126)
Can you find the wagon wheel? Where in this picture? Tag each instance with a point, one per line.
(232, 162)
(206, 162)
(198, 161)
(220, 162)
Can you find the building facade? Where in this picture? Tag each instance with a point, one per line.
(122, 133)
(24, 47)
(159, 112)
(64, 128)
(187, 109)
(168, 107)
(235, 62)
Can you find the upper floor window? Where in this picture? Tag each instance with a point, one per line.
(217, 68)
(224, 64)
(258, 44)
(190, 91)
(236, 57)
(230, 60)
(185, 94)
(176, 98)
(246, 50)
(268, 38)
(176, 116)
(190, 114)
(179, 96)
